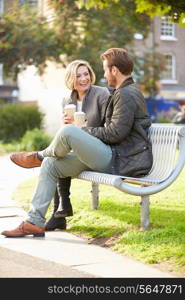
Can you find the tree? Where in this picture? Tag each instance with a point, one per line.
(149, 70)
(26, 39)
(87, 33)
(173, 8)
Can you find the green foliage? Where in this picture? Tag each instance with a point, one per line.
(35, 139)
(88, 33)
(10, 147)
(16, 119)
(26, 39)
(91, 34)
(98, 4)
(173, 8)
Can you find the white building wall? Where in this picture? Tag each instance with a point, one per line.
(47, 91)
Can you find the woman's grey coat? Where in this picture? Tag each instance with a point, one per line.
(94, 104)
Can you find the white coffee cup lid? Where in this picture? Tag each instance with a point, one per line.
(70, 106)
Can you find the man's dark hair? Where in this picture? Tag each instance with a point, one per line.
(119, 58)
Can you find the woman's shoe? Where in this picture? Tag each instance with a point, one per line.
(63, 213)
(54, 223)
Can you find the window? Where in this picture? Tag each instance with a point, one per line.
(30, 2)
(168, 75)
(138, 36)
(1, 6)
(167, 29)
(1, 74)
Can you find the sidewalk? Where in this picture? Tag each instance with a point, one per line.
(60, 247)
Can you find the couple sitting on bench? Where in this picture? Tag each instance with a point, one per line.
(119, 145)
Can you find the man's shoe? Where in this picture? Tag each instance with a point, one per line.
(63, 213)
(26, 159)
(25, 228)
(54, 223)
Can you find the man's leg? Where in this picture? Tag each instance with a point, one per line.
(90, 150)
(89, 153)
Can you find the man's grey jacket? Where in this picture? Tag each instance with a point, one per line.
(126, 131)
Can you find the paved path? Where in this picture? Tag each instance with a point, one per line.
(59, 254)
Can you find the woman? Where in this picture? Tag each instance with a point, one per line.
(91, 99)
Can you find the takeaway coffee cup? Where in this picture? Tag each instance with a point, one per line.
(70, 110)
(79, 118)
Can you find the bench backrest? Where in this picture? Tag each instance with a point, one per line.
(165, 141)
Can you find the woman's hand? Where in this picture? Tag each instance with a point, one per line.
(67, 119)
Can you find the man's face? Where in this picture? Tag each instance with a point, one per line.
(108, 74)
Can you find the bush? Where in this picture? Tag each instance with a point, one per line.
(16, 119)
(35, 140)
(10, 147)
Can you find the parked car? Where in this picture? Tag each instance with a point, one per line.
(160, 106)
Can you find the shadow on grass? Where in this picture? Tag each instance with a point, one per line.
(113, 218)
(130, 214)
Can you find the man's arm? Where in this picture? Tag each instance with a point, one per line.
(121, 121)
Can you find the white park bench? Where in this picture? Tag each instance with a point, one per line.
(168, 147)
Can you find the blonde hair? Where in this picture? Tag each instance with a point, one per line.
(71, 70)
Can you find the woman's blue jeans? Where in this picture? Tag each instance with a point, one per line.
(71, 152)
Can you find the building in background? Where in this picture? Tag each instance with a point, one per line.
(170, 41)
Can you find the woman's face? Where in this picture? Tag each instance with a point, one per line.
(83, 79)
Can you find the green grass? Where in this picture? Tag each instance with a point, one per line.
(116, 222)
(9, 147)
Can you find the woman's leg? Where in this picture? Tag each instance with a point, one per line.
(54, 223)
(62, 205)
(65, 207)
(56, 200)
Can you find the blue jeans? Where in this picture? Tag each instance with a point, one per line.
(71, 152)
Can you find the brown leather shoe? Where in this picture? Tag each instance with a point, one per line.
(25, 228)
(26, 159)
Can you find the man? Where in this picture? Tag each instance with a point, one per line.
(120, 147)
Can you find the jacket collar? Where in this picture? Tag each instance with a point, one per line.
(73, 95)
(126, 82)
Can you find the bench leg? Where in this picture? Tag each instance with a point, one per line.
(95, 195)
(145, 212)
